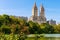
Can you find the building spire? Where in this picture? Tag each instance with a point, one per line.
(41, 7)
(35, 5)
(35, 10)
(42, 10)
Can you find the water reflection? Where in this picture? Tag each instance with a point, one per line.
(45, 37)
(50, 38)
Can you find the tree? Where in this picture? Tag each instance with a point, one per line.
(5, 29)
(34, 27)
(57, 28)
(13, 28)
(48, 29)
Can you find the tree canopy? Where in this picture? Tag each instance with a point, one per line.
(13, 24)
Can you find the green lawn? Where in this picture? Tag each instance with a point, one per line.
(15, 37)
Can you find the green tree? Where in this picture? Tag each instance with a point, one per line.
(57, 28)
(34, 28)
(48, 29)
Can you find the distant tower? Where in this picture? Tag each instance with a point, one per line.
(34, 13)
(35, 10)
(42, 15)
(35, 18)
(42, 11)
(52, 22)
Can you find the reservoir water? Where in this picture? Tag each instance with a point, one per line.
(47, 37)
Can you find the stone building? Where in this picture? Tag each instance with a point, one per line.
(52, 22)
(35, 18)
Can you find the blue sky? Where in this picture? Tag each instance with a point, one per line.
(24, 8)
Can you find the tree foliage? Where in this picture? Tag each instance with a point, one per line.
(13, 24)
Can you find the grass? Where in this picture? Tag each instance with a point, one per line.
(16, 37)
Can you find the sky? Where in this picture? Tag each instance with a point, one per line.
(24, 8)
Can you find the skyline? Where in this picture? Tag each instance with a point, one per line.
(24, 8)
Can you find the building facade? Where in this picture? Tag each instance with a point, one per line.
(35, 18)
(52, 22)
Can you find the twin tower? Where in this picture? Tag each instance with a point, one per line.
(35, 18)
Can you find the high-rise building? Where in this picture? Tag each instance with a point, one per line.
(52, 22)
(35, 18)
